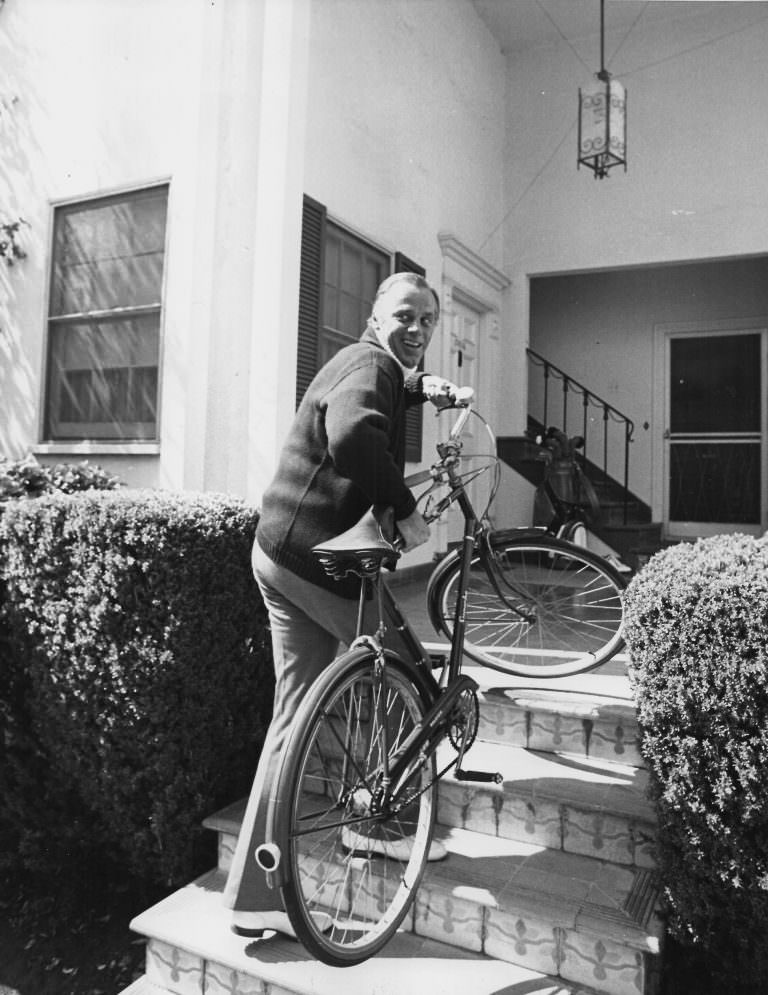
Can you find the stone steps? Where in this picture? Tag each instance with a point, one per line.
(191, 950)
(589, 807)
(568, 913)
(549, 886)
(559, 722)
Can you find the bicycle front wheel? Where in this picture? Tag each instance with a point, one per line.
(355, 858)
(536, 606)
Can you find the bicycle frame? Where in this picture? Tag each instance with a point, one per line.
(454, 684)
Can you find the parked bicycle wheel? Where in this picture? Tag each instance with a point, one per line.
(354, 860)
(536, 606)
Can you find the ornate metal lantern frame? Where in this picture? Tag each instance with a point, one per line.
(602, 119)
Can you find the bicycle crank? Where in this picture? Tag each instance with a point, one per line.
(481, 776)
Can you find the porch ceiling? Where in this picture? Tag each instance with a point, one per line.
(521, 24)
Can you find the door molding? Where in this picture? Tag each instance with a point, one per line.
(660, 391)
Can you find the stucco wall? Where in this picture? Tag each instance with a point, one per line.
(405, 125)
(389, 112)
(405, 129)
(694, 191)
(93, 98)
(694, 188)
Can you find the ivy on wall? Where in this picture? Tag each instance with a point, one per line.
(10, 250)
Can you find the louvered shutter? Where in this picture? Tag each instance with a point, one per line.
(310, 293)
(414, 418)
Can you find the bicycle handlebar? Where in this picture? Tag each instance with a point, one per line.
(462, 399)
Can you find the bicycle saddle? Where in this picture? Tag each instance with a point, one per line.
(362, 550)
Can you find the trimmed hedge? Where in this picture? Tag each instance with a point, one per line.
(26, 478)
(138, 682)
(697, 633)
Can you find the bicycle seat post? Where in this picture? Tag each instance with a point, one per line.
(361, 603)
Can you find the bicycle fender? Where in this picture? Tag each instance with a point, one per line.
(448, 562)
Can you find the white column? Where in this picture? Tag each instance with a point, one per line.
(277, 240)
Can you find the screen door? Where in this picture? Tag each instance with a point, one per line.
(714, 435)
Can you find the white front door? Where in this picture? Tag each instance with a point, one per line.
(466, 335)
(715, 432)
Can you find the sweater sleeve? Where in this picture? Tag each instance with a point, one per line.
(361, 411)
(414, 393)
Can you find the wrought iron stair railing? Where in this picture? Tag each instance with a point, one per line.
(554, 399)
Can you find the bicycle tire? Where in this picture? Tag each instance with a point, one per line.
(561, 612)
(344, 899)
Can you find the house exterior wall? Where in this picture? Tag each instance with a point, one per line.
(600, 328)
(694, 192)
(694, 189)
(405, 141)
(391, 113)
(95, 98)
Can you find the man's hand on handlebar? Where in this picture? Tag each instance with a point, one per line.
(442, 393)
(413, 531)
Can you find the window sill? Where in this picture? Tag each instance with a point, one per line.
(97, 449)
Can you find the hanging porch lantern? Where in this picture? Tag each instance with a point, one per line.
(602, 118)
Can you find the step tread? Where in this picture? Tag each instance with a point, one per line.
(572, 703)
(588, 784)
(142, 986)
(605, 690)
(572, 890)
(569, 890)
(194, 919)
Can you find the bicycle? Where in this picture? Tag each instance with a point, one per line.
(354, 805)
(565, 499)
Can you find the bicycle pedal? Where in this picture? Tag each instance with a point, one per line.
(484, 776)
(437, 660)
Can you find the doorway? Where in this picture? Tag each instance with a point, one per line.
(714, 432)
(466, 369)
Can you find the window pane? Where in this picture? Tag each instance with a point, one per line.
(103, 379)
(715, 384)
(109, 253)
(349, 314)
(102, 376)
(351, 267)
(353, 270)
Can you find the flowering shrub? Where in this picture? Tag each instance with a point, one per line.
(697, 633)
(137, 680)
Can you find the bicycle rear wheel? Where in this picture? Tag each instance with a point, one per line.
(536, 606)
(344, 890)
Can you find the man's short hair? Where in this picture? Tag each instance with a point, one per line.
(407, 277)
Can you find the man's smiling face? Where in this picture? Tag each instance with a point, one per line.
(404, 318)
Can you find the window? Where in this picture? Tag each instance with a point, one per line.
(352, 272)
(340, 273)
(104, 318)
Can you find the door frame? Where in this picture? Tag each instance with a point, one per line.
(663, 334)
(481, 287)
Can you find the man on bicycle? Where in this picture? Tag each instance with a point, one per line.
(344, 453)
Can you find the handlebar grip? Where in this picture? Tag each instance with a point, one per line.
(463, 396)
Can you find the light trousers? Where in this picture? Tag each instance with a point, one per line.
(308, 624)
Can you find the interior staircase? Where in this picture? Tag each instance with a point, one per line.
(625, 520)
(557, 398)
(549, 887)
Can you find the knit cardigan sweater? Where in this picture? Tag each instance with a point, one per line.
(345, 452)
